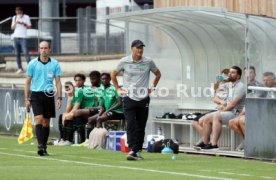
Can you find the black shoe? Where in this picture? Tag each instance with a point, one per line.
(139, 155)
(133, 156)
(45, 153)
(40, 151)
(210, 147)
(199, 145)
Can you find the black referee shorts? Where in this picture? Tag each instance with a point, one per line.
(43, 104)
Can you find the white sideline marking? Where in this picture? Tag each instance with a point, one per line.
(265, 177)
(248, 175)
(229, 173)
(118, 167)
(222, 170)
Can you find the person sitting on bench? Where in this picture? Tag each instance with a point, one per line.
(111, 102)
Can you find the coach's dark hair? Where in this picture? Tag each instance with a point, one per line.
(106, 74)
(82, 76)
(95, 74)
(238, 69)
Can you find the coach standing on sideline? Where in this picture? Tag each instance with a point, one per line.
(136, 72)
(41, 73)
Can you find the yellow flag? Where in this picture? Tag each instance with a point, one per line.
(27, 130)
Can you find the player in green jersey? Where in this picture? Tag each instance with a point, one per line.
(110, 102)
(90, 104)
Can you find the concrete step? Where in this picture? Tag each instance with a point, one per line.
(70, 65)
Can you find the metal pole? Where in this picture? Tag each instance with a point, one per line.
(127, 50)
(80, 29)
(50, 8)
(64, 8)
(106, 31)
(88, 29)
(247, 58)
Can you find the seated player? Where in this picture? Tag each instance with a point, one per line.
(90, 105)
(111, 102)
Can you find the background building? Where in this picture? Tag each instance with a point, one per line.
(253, 7)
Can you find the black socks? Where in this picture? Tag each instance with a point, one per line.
(45, 135)
(80, 124)
(38, 132)
(60, 127)
(69, 130)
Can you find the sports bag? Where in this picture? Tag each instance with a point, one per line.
(157, 146)
(97, 138)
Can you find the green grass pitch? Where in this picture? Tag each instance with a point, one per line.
(21, 162)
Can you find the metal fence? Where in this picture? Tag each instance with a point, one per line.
(71, 35)
(108, 39)
(67, 38)
(77, 36)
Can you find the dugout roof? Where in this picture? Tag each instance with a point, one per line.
(199, 42)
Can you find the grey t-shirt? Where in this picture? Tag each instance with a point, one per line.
(136, 76)
(238, 91)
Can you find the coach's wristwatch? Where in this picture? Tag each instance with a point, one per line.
(60, 98)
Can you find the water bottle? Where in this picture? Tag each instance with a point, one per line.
(174, 157)
(221, 78)
(150, 145)
(76, 137)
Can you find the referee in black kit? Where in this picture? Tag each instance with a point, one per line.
(39, 93)
(136, 72)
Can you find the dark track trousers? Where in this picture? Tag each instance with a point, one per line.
(136, 115)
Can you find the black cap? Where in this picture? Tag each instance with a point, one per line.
(137, 43)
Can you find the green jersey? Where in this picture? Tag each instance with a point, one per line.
(85, 96)
(74, 101)
(109, 98)
(91, 97)
(78, 96)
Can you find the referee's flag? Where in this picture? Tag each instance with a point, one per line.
(27, 130)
